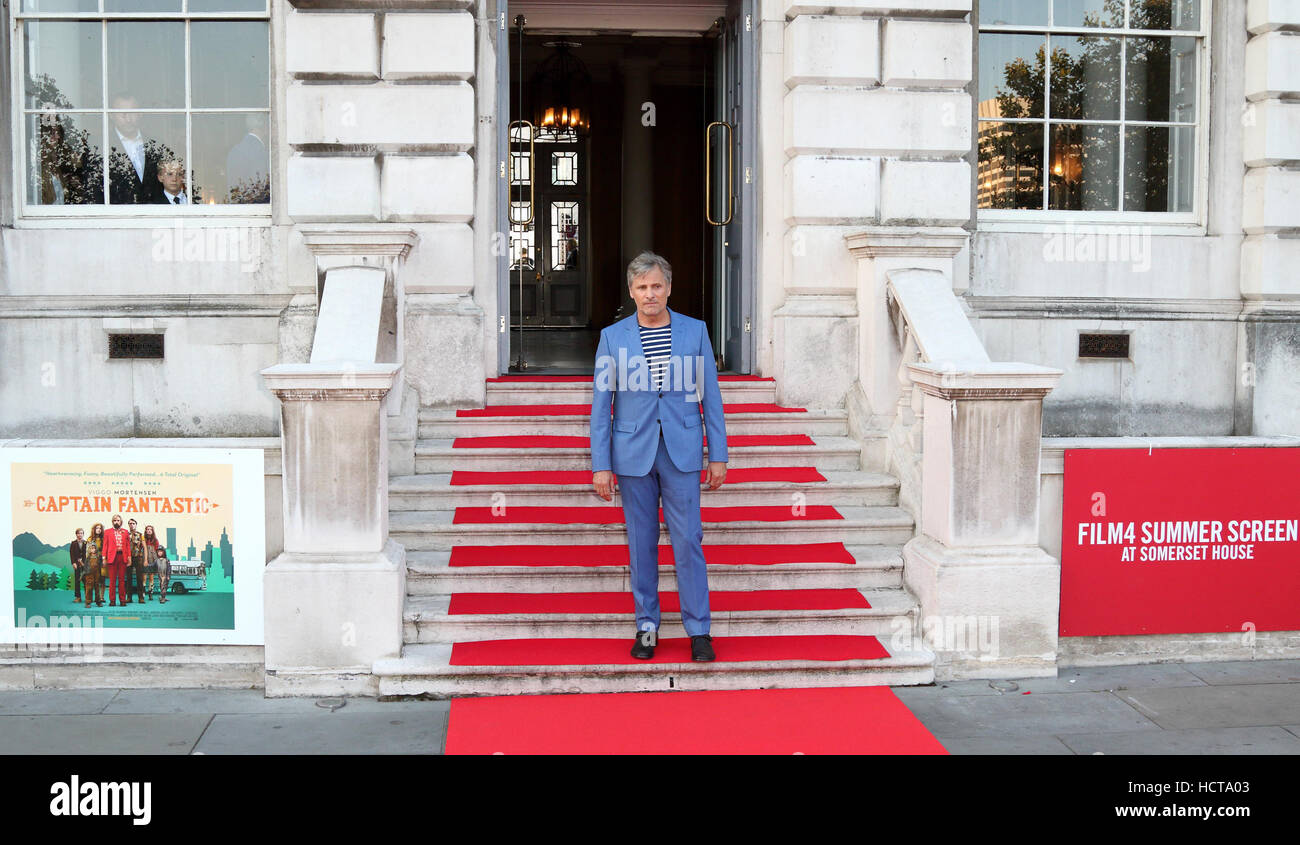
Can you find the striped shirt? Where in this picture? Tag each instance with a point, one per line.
(656, 345)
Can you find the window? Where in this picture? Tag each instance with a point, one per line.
(1090, 106)
(125, 106)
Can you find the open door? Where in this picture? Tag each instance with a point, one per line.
(502, 250)
(729, 145)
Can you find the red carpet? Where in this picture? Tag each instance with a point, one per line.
(726, 554)
(580, 441)
(585, 410)
(843, 720)
(610, 515)
(606, 651)
(737, 475)
(587, 379)
(719, 601)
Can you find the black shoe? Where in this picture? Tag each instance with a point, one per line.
(644, 646)
(702, 648)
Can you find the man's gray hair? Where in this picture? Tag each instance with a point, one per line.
(647, 261)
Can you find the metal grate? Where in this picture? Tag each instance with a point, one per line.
(1103, 345)
(135, 346)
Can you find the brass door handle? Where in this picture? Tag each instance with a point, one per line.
(532, 180)
(708, 174)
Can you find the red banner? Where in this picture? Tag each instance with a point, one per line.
(1170, 541)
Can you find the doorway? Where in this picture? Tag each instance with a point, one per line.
(662, 159)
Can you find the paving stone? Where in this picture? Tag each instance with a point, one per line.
(218, 701)
(1018, 715)
(100, 734)
(1218, 706)
(1270, 740)
(55, 702)
(356, 733)
(1102, 678)
(1020, 745)
(1247, 672)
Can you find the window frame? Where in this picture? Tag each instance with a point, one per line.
(1191, 222)
(26, 215)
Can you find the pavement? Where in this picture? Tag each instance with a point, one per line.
(1239, 707)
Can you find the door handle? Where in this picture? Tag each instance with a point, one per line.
(708, 175)
(532, 177)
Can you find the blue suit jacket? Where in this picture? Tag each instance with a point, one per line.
(627, 444)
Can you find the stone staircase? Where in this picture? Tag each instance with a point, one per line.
(517, 578)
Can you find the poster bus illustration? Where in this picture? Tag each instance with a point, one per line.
(188, 498)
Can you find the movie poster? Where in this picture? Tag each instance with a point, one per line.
(193, 574)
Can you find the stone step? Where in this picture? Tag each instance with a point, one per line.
(579, 392)
(891, 611)
(430, 573)
(841, 488)
(425, 669)
(423, 530)
(439, 456)
(442, 424)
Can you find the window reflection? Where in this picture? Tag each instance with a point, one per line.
(180, 117)
(66, 166)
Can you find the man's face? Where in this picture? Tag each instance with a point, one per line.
(650, 292)
(172, 177)
(117, 522)
(131, 525)
(80, 534)
(128, 123)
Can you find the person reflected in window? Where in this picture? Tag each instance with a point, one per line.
(248, 165)
(171, 179)
(571, 260)
(133, 158)
(524, 260)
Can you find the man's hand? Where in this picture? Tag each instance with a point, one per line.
(603, 481)
(717, 472)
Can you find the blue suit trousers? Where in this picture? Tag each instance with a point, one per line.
(681, 503)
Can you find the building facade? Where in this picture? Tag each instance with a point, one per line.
(1103, 191)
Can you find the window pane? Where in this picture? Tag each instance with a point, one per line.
(51, 6)
(64, 162)
(521, 250)
(1165, 14)
(1085, 77)
(146, 64)
(231, 162)
(229, 62)
(142, 5)
(1013, 12)
(137, 144)
(1011, 75)
(564, 168)
(1088, 13)
(1010, 165)
(227, 5)
(1161, 79)
(63, 64)
(1084, 173)
(520, 170)
(1158, 164)
(564, 235)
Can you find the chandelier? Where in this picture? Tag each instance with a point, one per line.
(561, 91)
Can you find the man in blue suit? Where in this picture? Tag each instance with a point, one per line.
(653, 369)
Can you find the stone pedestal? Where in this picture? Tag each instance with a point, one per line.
(989, 595)
(334, 598)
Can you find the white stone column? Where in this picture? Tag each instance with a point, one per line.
(1269, 393)
(989, 594)
(333, 599)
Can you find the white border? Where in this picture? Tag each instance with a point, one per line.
(248, 487)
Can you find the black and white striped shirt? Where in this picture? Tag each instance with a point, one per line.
(656, 345)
